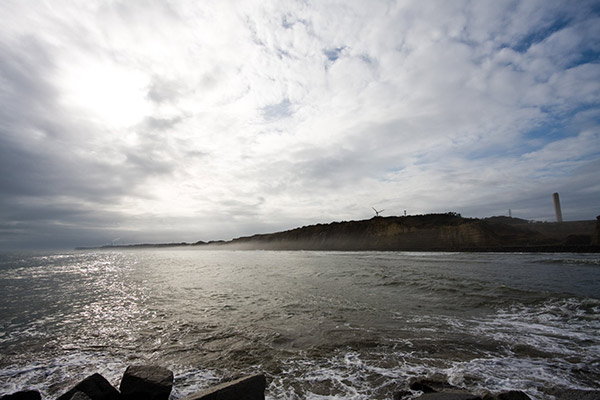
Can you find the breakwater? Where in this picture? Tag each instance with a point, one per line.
(151, 382)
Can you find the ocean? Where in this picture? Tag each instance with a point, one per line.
(319, 325)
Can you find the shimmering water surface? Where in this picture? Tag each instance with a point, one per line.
(320, 325)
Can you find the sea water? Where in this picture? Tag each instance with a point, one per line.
(319, 325)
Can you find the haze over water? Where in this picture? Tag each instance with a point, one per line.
(320, 325)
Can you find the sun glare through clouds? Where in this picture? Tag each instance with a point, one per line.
(110, 94)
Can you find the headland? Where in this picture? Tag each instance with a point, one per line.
(430, 232)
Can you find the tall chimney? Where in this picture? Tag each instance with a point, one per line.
(557, 207)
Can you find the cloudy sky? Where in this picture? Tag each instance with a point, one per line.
(154, 121)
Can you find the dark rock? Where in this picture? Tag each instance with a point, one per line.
(574, 394)
(422, 386)
(513, 395)
(249, 388)
(448, 396)
(23, 395)
(141, 382)
(80, 396)
(403, 394)
(432, 386)
(96, 387)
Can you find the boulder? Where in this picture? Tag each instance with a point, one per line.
(23, 395)
(513, 395)
(432, 386)
(80, 396)
(448, 396)
(574, 394)
(422, 386)
(442, 389)
(96, 387)
(248, 388)
(151, 382)
(401, 395)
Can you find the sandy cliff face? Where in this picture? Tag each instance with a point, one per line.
(428, 232)
(466, 235)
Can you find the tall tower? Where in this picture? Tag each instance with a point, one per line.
(557, 207)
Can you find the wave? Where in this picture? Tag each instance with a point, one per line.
(570, 261)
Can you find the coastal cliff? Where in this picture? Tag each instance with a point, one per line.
(431, 232)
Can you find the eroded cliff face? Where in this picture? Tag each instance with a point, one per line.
(466, 235)
(431, 232)
(424, 232)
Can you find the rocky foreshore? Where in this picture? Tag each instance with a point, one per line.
(151, 382)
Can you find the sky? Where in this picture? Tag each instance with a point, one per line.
(129, 121)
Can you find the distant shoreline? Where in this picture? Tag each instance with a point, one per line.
(531, 249)
(447, 232)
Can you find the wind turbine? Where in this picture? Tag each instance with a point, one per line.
(377, 212)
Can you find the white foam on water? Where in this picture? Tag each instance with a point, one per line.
(366, 374)
(590, 260)
(192, 380)
(544, 346)
(54, 377)
(505, 374)
(337, 378)
(566, 327)
(348, 375)
(529, 347)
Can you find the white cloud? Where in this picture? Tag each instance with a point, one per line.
(217, 119)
